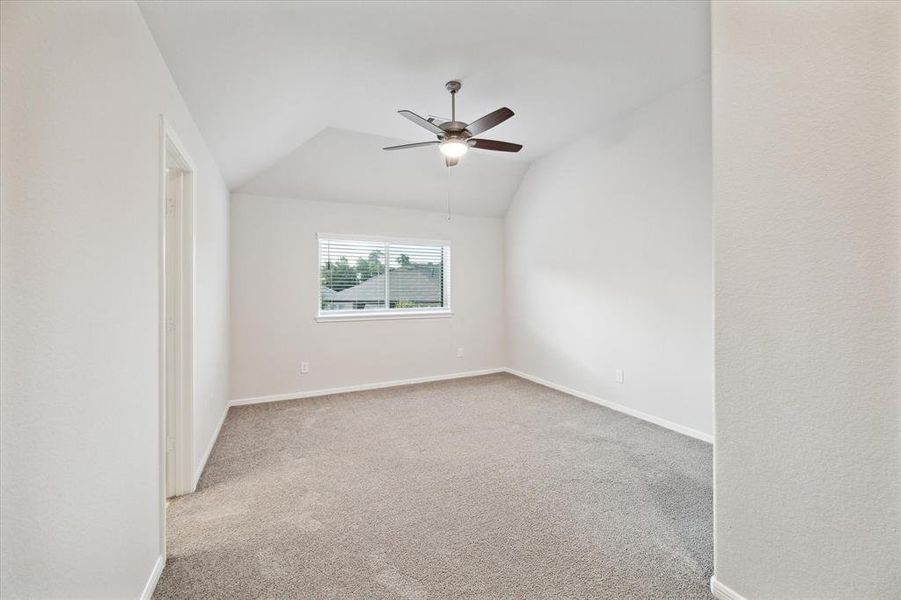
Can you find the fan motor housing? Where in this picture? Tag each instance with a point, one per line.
(453, 126)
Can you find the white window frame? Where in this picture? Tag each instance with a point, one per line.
(389, 313)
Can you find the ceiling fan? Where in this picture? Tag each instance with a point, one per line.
(455, 137)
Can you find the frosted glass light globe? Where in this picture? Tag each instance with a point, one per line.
(453, 148)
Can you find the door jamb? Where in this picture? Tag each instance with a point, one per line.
(171, 146)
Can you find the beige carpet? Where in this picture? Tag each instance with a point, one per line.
(489, 487)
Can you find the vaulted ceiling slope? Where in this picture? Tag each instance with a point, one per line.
(348, 166)
(264, 78)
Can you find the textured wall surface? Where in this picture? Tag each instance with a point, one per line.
(609, 263)
(806, 209)
(83, 86)
(275, 270)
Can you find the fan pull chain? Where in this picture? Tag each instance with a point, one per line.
(448, 192)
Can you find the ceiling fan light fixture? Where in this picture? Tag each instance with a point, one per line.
(453, 148)
(455, 137)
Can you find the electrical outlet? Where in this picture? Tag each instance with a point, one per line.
(620, 376)
(304, 367)
(459, 352)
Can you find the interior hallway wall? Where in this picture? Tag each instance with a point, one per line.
(275, 295)
(83, 86)
(609, 263)
(806, 99)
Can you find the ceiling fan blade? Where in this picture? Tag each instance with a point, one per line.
(421, 122)
(490, 120)
(451, 162)
(416, 145)
(495, 145)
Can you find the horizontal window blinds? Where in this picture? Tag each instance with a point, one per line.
(360, 275)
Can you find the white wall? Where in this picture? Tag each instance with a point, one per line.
(274, 256)
(211, 318)
(806, 158)
(83, 85)
(609, 263)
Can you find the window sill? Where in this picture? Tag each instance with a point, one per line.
(385, 316)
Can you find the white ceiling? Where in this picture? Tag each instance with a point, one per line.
(263, 78)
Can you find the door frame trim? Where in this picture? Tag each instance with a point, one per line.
(172, 147)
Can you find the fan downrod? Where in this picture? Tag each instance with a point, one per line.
(453, 126)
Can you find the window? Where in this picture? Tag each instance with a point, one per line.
(366, 277)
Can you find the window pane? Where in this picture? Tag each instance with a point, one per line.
(416, 276)
(352, 275)
(359, 275)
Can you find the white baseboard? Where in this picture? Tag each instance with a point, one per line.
(705, 437)
(723, 592)
(198, 469)
(147, 594)
(360, 388)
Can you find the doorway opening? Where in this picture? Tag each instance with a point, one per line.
(177, 185)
